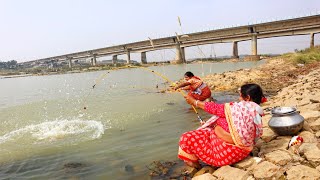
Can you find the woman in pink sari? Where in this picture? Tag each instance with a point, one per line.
(229, 135)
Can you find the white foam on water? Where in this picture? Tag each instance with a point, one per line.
(58, 130)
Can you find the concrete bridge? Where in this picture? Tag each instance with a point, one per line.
(290, 27)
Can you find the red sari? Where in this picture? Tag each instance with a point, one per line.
(198, 89)
(203, 144)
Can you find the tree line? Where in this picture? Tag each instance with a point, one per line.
(9, 64)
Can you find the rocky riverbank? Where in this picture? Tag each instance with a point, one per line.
(286, 84)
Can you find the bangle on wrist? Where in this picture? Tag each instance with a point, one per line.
(197, 103)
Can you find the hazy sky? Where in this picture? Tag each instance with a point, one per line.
(32, 29)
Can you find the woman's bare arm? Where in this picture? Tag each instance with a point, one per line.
(197, 103)
(222, 134)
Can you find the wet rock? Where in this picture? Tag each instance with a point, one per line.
(204, 170)
(206, 176)
(230, 173)
(279, 157)
(182, 171)
(302, 172)
(267, 170)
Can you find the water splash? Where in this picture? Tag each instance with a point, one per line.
(55, 131)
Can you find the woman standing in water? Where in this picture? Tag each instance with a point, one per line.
(197, 88)
(227, 137)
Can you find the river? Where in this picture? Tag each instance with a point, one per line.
(60, 127)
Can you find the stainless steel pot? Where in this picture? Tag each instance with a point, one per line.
(286, 121)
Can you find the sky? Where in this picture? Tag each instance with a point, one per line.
(35, 29)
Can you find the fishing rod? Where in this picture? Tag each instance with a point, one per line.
(172, 84)
(167, 79)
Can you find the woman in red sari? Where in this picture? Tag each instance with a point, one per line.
(197, 88)
(227, 137)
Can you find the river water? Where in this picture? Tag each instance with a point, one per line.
(59, 127)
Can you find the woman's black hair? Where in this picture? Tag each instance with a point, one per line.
(252, 90)
(189, 74)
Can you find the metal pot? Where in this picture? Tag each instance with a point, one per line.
(286, 121)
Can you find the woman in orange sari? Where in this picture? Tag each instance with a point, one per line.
(197, 88)
(228, 136)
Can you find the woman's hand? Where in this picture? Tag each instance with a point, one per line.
(190, 99)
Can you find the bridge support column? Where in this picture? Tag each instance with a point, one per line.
(254, 49)
(94, 60)
(114, 59)
(179, 54)
(254, 45)
(235, 53)
(183, 55)
(312, 41)
(128, 57)
(143, 57)
(70, 62)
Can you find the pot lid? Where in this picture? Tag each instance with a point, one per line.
(283, 110)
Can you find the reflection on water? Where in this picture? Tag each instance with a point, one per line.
(46, 133)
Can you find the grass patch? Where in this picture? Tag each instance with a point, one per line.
(306, 56)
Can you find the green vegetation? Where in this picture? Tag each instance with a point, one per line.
(306, 56)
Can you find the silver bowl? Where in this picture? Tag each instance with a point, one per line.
(286, 121)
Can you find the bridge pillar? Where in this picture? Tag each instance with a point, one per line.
(254, 49)
(235, 50)
(143, 57)
(183, 54)
(179, 54)
(312, 41)
(94, 60)
(70, 62)
(128, 57)
(254, 45)
(114, 59)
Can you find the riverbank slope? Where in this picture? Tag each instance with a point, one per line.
(286, 84)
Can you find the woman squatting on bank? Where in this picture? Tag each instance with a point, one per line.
(197, 88)
(229, 135)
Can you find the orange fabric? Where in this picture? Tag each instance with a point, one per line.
(195, 82)
(206, 93)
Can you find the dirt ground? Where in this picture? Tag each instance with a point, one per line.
(272, 76)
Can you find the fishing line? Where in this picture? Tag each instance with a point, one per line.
(172, 84)
(97, 81)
